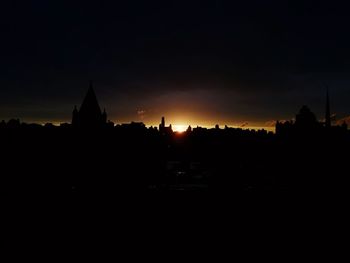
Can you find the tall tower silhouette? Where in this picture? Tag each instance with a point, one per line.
(89, 114)
(163, 129)
(162, 125)
(328, 122)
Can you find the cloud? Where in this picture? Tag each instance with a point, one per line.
(272, 123)
(333, 118)
(141, 114)
(345, 119)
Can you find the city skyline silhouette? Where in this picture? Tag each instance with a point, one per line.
(158, 159)
(164, 128)
(90, 115)
(218, 97)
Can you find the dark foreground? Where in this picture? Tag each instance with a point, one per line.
(110, 162)
(136, 193)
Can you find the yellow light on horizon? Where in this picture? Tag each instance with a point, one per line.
(179, 127)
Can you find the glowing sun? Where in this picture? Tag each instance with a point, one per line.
(179, 127)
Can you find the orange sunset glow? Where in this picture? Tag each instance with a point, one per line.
(179, 127)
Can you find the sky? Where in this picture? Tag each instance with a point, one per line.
(243, 63)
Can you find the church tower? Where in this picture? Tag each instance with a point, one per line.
(89, 114)
(162, 124)
(328, 122)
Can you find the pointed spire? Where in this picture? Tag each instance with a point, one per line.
(328, 112)
(90, 114)
(90, 103)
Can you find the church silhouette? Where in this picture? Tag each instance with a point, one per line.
(306, 123)
(89, 114)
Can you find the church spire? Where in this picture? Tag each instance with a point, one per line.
(328, 112)
(89, 114)
(90, 103)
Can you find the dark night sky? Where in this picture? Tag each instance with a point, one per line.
(196, 62)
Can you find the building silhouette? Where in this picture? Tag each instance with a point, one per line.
(306, 119)
(163, 129)
(89, 115)
(162, 124)
(306, 122)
